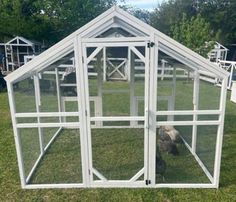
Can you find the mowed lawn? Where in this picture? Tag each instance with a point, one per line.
(10, 189)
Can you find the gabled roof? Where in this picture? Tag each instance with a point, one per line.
(116, 17)
(19, 39)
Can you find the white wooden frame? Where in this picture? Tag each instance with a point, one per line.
(131, 47)
(85, 37)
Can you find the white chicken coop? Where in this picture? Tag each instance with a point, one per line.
(91, 110)
(15, 50)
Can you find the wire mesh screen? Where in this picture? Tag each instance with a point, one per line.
(206, 146)
(184, 94)
(62, 161)
(30, 147)
(24, 95)
(48, 134)
(174, 161)
(50, 154)
(186, 133)
(118, 154)
(174, 85)
(116, 103)
(48, 91)
(111, 95)
(117, 149)
(209, 96)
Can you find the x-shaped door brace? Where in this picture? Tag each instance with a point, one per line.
(117, 68)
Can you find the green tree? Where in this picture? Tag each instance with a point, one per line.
(67, 16)
(220, 14)
(169, 13)
(14, 18)
(193, 33)
(141, 14)
(48, 20)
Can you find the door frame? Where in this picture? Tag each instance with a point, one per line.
(149, 145)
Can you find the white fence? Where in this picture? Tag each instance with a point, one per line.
(165, 70)
(229, 66)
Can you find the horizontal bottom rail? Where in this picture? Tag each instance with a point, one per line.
(120, 185)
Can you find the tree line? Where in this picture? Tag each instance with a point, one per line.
(191, 22)
(47, 20)
(194, 22)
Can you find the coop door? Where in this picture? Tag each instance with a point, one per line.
(116, 75)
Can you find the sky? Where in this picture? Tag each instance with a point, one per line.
(144, 4)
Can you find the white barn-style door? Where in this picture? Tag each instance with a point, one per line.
(117, 111)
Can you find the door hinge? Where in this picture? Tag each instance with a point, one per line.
(150, 44)
(86, 113)
(148, 182)
(89, 172)
(83, 59)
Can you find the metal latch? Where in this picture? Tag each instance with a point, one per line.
(150, 44)
(148, 182)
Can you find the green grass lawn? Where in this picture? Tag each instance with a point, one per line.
(10, 189)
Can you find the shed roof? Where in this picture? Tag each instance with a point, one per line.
(116, 17)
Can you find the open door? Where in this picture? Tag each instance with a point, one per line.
(116, 74)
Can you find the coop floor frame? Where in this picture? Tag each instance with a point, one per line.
(146, 37)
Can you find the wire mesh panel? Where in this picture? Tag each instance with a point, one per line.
(48, 101)
(116, 78)
(175, 162)
(180, 92)
(186, 134)
(116, 103)
(30, 147)
(206, 146)
(209, 96)
(50, 154)
(184, 94)
(118, 154)
(62, 160)
(24, 96)
(48, 91)
(174, 87)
